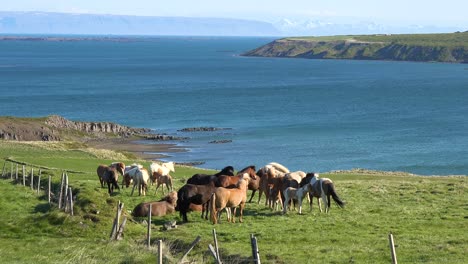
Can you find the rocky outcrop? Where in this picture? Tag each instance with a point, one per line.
(203, 129)
(422, 48)
(93, 127)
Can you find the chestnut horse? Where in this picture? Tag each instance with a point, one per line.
(162, 180)
(194, 194)
(202, 179)
(119, 166)
(231, 181)
(102, 168)
(160, 169)
(229, 199)
(160, 208)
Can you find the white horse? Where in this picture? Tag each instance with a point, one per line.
(161, 169)
(140, 178)
(323, 188)
(291, 193)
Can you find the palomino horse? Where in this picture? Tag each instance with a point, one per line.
(202, 179)
(140, 179)
(231, 181)
(229, 199)
(161, 169)
(291, 193)
(322, 188)
(110, 176)
(194, 194)
(160, 208)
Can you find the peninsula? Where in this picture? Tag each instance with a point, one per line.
(449, 47)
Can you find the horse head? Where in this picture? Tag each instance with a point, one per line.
(169, 165)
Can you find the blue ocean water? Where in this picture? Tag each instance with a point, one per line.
(311, 115)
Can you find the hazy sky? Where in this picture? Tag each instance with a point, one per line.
(422, 12)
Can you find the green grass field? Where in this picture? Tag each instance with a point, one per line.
(427, 215)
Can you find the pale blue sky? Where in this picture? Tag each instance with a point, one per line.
(401, 12)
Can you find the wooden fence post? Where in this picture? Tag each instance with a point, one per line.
(65, 195)
(190, 249)
(16, 174)
(392, 248)
(255, 254)
(24, 175)
(116, 221)
(32, 178)
(11, 170)
(39, 182)
(61, 191)
(160, 257)
(3, 170)
(48, 189)
(70, 195)
(148, 241)
(218, 258)
(121, 229)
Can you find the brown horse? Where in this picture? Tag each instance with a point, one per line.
(162, 207)
(194, 194)
(230, 198)
(162, 180)
(119, 166)
(231, 181)
(110, 176)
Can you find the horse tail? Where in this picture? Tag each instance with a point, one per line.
(212, 208)
(337, 199)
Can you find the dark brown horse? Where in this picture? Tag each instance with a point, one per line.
(110, 176)
(202, 179)
(195, 194)
(231, 181)
(321, 188)
(160, 208)
(254, 185)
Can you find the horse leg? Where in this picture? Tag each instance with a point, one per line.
(253, 193)
(241, 212)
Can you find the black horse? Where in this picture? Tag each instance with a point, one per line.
(195, 194)
(111, 177)
(202, 179)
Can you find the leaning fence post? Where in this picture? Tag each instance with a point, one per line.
(392, 248)
(16, 174)
(121, 229)
(24, 175)
(148, 241)
(255, 254)
(218, 258)
(48, 189)
(195, 242)
(61, 190)
(11, 170)
(116, 221)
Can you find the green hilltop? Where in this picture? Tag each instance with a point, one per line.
(448, 47)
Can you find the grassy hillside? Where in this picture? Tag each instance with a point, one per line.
(451, 47)
(427, 215)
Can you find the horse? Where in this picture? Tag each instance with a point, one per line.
(291, 193)
(160, 208)
(271, 170)
(110, 176)
(254, 185)
(229, 199)
(194, 194)
(163, 180)
(119, 166)
(231, 181)
(322, 188)
(140, 178)
(102, 168)
(202, 179)
(161, 169)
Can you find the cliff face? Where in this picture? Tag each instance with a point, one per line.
(56, 128)
(361, 50)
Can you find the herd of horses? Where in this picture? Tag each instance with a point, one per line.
(225, 190)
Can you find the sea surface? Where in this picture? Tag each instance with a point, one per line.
(310, 115)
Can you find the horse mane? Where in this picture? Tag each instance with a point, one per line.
(251, 167)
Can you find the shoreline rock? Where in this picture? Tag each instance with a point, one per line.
(202, 129)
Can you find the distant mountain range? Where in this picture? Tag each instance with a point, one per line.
(96, 24)
(65, 23)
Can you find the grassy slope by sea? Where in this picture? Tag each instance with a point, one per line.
(427, 215)
(449, 47)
